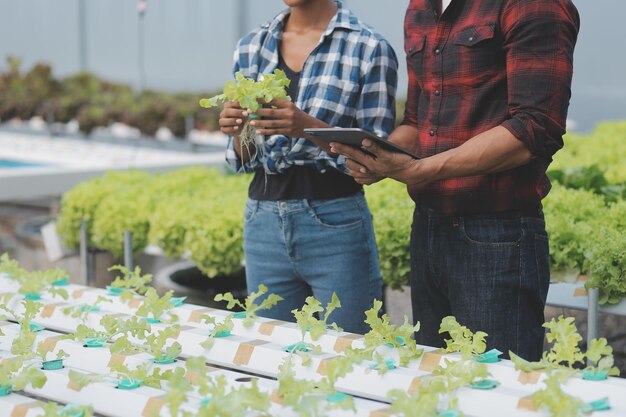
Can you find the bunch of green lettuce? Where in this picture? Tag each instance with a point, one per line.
(82, 201)
(248, 92)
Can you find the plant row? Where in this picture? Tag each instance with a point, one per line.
(94, 102)
(386, 347)
(586, 210)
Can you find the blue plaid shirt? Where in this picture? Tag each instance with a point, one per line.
(349, 80)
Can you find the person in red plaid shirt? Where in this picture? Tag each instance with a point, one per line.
(489, 88)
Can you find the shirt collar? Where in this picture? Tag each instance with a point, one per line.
(343, 19)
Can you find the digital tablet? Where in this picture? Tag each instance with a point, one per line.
(354, 137)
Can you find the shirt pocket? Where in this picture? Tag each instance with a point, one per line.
(480, 57)
(415, 48)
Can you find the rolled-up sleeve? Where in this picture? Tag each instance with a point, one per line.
(539, 39)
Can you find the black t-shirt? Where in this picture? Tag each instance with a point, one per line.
(300, 182)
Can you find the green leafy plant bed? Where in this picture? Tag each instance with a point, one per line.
(95, 102)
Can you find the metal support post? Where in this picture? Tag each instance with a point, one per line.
(86, 260)
(592, 315)
(128, 250)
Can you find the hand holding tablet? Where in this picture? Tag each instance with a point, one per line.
(354, 137)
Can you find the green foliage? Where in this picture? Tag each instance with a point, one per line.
(606, 146)
(392, 212)
(249, 305)
(460, 373)
(587, 178)
(309, 398)
(9, 266)
(133, 282)
(563, 335)
(113, 328)
(145, 373)
(22, 344)
(178, 388)
(223, 327)
(156, 344)
(307, 320)
(43, 349)
(195, 212)
(600, 355)
(570, 220)
(127, 210)
(215, 240)
(83, 311)
(424, 403)
(80, 380)
(607, 257)
(555, 401)
(82, 201)
(565, 353)
(94, 102)
(248, 92)
(384, 333)
(462, 340)
(33, 282)
(71, 410)
(235, 402)
(13, 372)
(157, 307)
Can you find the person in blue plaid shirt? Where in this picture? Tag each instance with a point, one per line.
(308, 229)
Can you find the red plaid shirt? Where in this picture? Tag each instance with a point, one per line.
(481, 64)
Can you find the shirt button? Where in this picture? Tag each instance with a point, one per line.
(437, 92)
(431, 132)
(437, 51)
(471, 38)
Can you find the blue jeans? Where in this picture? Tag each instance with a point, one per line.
(490, 271)
(299, 248)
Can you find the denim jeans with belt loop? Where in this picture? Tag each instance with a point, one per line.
(299, 248)
(490, 271)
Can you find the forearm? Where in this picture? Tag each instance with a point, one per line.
(405, 136)
(492, 151)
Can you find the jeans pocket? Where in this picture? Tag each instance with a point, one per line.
(491, 231)
(249, 212)
(341, 213)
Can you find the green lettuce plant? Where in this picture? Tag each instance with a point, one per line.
(15, 375)
(462, 340)
(565, 352)
(250, 94)
(307, 320)
(385, 334)
(250, 306)
(130, 282)
(52, 409)
(157, 308)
